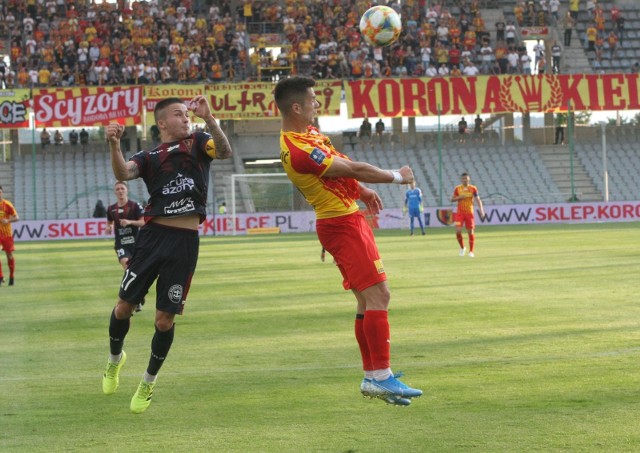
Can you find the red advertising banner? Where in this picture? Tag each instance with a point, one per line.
(407, 97)
(88, 106)
(13, 108)
(255, 100)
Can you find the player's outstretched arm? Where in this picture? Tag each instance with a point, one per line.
(368, 173)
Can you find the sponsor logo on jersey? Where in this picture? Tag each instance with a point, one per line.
(317, 156)
(179, 184)
(180, 206)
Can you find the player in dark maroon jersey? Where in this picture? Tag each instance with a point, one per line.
(176, 174)
(124, 218)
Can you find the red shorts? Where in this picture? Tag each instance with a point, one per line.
(7, 244)
(349, 239)
(466, 220)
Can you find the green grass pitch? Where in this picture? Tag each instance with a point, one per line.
(534, 345)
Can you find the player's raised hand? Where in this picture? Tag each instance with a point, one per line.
(200, 107)
(114, 132)
(407, 174)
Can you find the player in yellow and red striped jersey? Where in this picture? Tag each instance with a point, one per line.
(8, 215)
(466, 195)
(331, 183)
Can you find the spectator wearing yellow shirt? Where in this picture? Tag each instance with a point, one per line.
(592, 34)
(44, 76)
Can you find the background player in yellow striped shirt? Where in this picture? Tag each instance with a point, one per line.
(466, 195)
(8, 215)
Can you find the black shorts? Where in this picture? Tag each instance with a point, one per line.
(167, 254)
(125, 251)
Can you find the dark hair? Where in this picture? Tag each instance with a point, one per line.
(464, 174)
(291, 90)
(164, 104)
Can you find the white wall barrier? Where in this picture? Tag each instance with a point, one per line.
(300, 222)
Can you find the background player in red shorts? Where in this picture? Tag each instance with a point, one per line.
(331, 183)
(8, 215)
(466, 195)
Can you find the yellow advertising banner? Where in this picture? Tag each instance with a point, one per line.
(13, 108)
(156, 93)
(254, 100)
(408, 97)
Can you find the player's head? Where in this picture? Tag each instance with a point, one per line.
(172, 118)
(121, 190)
(296, 98)
(465, 178)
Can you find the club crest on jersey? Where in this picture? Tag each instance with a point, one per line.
(175, 294)
(317, 156)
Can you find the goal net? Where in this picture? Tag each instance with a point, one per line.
(264, 192)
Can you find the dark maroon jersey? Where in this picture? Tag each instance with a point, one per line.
(177, 176)
(125, 236)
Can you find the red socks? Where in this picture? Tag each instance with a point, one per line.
(12, 266)
(460, 240)
(362, 342)
(376, 330)
(472, 240)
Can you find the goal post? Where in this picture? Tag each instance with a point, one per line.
(263, 192)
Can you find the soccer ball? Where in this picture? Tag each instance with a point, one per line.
(380, 26)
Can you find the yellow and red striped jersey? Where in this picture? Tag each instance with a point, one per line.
(465, 205)
(6, 210)
(305, 158)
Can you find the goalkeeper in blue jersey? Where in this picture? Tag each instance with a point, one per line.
(413, 203)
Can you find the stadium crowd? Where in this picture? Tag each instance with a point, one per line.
(81, 42)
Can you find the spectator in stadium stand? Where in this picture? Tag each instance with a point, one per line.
(574, 8)
(500, 55)
(592, 35)
(569, 24)
(364, 134)
(598, 48)
(514, 61)
(58, 139)
(619, 28)
(612, 40)
(525, 62)
(84, 139)
(500, 30)
(556, 55)
(73, 137)
(554, 8)
(45, 138)
(510, 33)
(462, 130)
(538, 51)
